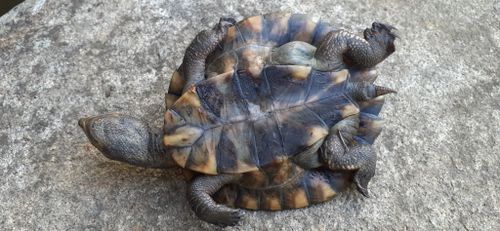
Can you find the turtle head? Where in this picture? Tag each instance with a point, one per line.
(124, 138)
(381, 37)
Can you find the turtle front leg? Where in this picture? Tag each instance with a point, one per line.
(197, 52)
(127, 139)
(339, 49)
(199, 195)
(339, 151)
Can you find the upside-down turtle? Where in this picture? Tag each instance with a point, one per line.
(250, 107)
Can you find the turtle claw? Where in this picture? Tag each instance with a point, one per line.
(362, 185)
(362, 177)
(227, 21)
(230, 217)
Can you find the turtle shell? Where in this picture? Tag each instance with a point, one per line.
(246, 123)
(254, 122)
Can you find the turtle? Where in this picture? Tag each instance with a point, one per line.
(273, 112)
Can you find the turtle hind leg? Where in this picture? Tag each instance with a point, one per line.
(200, 197)
(127, 139)
(341, 152)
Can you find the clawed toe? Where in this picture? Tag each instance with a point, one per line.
(230, 218)
(227, 22)
(362, 189)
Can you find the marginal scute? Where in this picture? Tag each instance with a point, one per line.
(303, 28)
(279, 26)
(320, 191)
(180, 155)
(271, 201)
(253, 24)
(299, 198)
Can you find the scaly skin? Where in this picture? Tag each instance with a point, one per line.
(340, 151)
(339, 48)
(201, 46)
(127, 139)
(200, 194)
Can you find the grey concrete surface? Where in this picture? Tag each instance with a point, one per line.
(438, 163)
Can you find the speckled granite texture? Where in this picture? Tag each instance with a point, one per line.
(59, 60)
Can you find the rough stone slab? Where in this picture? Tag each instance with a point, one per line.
(60, 60)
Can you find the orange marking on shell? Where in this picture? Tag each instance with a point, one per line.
(339, 76)
(203, 156)
(348, 110)
(189, 98)
(208, 166)
(182, 136)
(231, 34)
(252, 62)
(229, 61)
(299, 199)
(320, 191)
(272, 202)
(300, 73)
(371, 127)
(283, 173)
(244, 167)
(316, 133)
(253, 24)
(249, 202)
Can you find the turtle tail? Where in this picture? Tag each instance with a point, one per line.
(311, 187)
